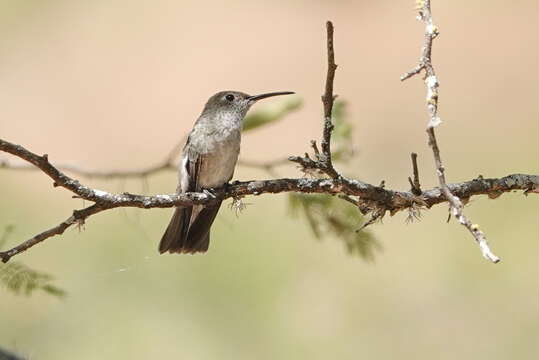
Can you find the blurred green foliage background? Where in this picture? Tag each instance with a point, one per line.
(115, 84)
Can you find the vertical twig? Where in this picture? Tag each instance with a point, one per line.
(328, 99)
(323, 162)
(431, 82)
(416, 186)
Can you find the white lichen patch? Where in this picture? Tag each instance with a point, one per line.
(434, 122)
(326, 183)
(432, 81)
(100, 193)
(432, 30)
(357, 183)
(163, 197)
(304, 182)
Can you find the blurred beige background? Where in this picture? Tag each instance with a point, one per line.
(115, 84)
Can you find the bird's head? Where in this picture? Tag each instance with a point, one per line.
(235, 102)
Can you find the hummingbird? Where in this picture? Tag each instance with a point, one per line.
(208, 161)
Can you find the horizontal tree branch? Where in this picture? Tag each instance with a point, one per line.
(371, 198)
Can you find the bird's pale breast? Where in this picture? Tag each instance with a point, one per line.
(218, 165)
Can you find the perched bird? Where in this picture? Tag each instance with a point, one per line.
(208, 161)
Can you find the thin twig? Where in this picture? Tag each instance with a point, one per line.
(416, 186)
(96, 174)
(328, 99)
(349, 199)
(169, 164)
(324, 162)
(431, 82)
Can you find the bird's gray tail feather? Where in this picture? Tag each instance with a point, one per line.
(188, 230)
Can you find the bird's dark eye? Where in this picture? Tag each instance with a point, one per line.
(230, 97)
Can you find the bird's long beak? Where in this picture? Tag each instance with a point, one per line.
(267, 95)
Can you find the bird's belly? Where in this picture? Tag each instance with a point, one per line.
(218, 165)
